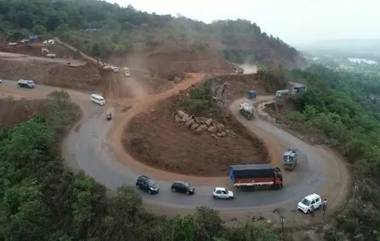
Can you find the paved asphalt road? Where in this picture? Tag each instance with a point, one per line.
(86, 147)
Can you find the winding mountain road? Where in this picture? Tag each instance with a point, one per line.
(94, 146)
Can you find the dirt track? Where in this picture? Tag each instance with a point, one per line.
(320, 170)
(40, 60)
(56, 72)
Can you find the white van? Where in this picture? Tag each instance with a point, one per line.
(310, 203)
(98, 99)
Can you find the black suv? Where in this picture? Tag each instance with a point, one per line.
(183, 187)
(148, 185)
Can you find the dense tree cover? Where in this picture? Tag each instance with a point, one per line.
(101, 29)
(41, 200)
(342, 107)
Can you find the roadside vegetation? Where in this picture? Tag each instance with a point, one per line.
(342, 109)
(41, 200)
(200, 101)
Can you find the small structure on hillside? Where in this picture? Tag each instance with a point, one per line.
(33, 38)
(282, 93)
(24, 41)
(296, 88)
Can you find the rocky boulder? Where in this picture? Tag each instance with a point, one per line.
(201, 124)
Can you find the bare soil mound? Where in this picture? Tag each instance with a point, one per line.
(16, 111)
(157, 140)
(35, 50)
(170, 60)
(56, 74)
(117, 85)
(167, 61)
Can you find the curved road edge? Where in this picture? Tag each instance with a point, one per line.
(87, 146)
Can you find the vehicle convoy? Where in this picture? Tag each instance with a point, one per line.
(256, 175)
(98, 99)
(289, 159)
(148, 185)
(222, 193)
(182, 187)
(310, 203)
(26, 83)
(247, 110)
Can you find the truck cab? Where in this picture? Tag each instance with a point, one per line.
(247, 110)
(289, 159)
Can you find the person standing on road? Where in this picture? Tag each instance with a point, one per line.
(324, 206)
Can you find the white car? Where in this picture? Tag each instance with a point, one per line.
(115, 69)
(26, 83)
(1, 81)
(310, 203)
(222, 193)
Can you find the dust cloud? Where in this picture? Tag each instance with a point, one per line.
(249, 68)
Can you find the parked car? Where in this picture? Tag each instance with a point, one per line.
(25, 83)
(115, 69)
(222, 193)
(147, 184)
(310, 203)
(182, 187)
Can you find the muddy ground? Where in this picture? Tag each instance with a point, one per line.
(16, 111)
(157, 140)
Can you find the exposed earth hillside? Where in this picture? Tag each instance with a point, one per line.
(16, 111)
(109, 30)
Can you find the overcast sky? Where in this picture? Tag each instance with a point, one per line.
(294, 21)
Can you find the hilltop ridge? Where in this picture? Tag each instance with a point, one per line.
(107, 30)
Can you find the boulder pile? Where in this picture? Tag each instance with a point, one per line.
(201, 124)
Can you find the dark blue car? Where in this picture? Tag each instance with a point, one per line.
(148, 185)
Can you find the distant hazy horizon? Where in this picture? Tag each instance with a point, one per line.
(297, 22)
